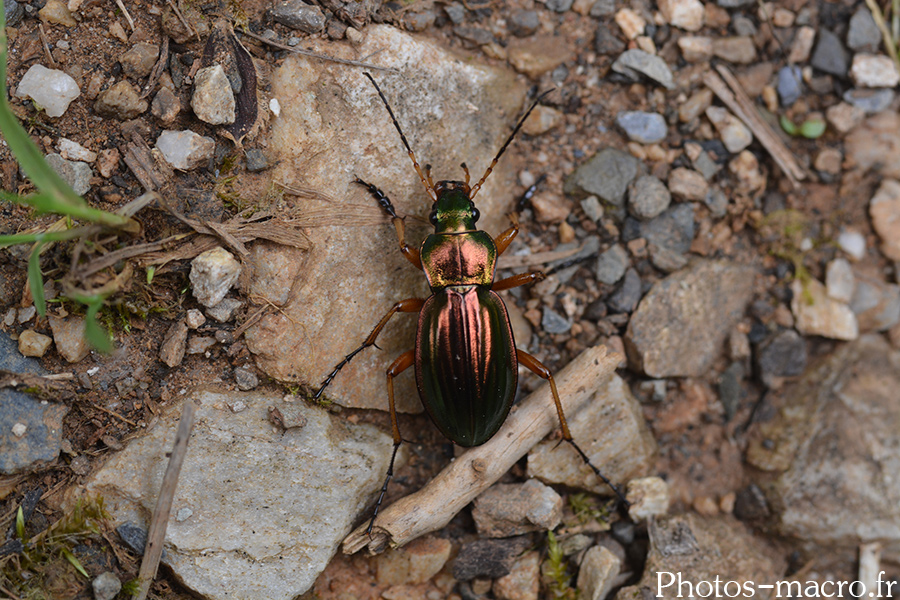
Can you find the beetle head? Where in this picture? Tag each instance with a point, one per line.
(453, 211)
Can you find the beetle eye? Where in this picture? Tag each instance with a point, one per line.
(433, 218)
(475, 214)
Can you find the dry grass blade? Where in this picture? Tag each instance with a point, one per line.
(736, 99)
(44, 386)
(432, 507)
(889, 43)
(157, 534)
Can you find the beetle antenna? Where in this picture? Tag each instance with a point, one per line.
(509, 140)
(412, 156)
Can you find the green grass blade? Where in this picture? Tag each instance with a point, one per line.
(75, 562)
(43, 237)
(20, 525)
(36, 279)
(93, 332)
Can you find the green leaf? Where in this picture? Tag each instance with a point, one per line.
(75, 562)
(151, 271)
(36, 279)
(96, 335)
(812, 129)
(787, 125)
(20, 524)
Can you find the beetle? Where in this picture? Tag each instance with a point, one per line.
(465, 357)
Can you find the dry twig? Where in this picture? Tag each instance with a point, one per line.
(432, 507)
(125, 14)
(736, 99)
(157, 534)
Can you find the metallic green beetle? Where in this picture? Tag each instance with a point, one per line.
(465, 356)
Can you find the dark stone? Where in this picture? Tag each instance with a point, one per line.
(671, 233)
(298, 15)
(830, 55)
(419, 20)
(606, 42)
(750, 504)
(730, 388)
(606, 175)
(559, 6)
(781, 355)
(626, 298)
(135, 537)
(790, 84)
(476, 35)
(553, 322)
(40, 442)
(256, 160)
(13, 11)
(488, 558)
(596, 310)
(456, 12)
(523, 23)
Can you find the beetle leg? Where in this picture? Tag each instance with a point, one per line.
(403, 362)
(410, 305)
(517, 280)
(535, 366)
(410, 253)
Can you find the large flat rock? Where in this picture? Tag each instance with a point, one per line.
(332, 128)
(257, 513)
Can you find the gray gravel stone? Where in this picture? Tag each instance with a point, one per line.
(790, 84)
(603, 8)
(648, 197)
(682, 322)
(553, 322)
(245, 378)
(669, 236)
(256, 160)
(165, 106)
(626, 298)
(642, 127)
(606, 40)
(559, 6)
(13, 11)
(830, 55)
(68, 335)
(40, 441)
(611, 265)
(106, 586)
(863, 34)
(298, 15)
(717, 203)
(781, 355)
(871, 101)
(76, 173)
(456, 12)
(225, 310)
(139, 60)
(488, 558)
(523, 23)
(606, 175)
(505, 510)
(636, 64)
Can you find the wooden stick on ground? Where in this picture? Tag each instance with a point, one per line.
(160, 520)
(736, 99)
(432, 507)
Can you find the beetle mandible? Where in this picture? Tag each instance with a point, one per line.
(465, 357)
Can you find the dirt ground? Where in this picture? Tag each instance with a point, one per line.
(700, 449)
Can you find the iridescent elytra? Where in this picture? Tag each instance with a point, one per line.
(465, 356)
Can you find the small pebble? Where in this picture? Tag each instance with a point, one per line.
(106, 586)
(839, 280)
(56, 12)
(695, 48)
(194, 319)
(630, 22)
(185, 150)
(642, 127)
(648, 197)
(213, 99)
(687, 184)
(874, 71)
(71, 150)
(19, 429)
(50, 89)
(183, 514)
(611, 265)
(32, 343)
(213, 273)
(298, 15)
(121, 101)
